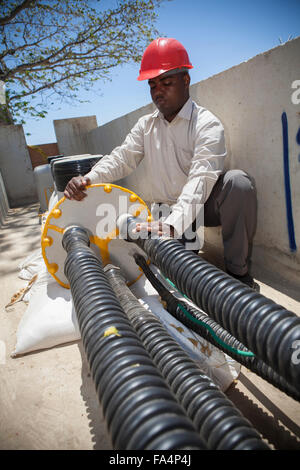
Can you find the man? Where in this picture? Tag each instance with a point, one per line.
(183, 147)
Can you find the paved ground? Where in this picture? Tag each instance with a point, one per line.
(47, 398)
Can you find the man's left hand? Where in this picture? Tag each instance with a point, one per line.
(157, 227)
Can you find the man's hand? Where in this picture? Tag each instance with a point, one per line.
(75, 188)
(156, 227)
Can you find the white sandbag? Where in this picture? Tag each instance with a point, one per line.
(31, 265)
(49, 319)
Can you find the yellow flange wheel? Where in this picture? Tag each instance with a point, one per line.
(98, 213)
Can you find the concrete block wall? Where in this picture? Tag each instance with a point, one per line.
(15, 166)
(71, 134)
(105, 138)
(251, 99)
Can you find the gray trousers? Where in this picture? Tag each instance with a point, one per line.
(233, 205)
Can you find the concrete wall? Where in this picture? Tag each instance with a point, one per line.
(15, 166)
(250, 100)
(105, 138)
(71, 134)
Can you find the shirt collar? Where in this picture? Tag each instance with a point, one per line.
(186, 110)
(184, 113)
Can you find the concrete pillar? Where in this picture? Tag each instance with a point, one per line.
(4, 206)
(71, 134)
(15, 166)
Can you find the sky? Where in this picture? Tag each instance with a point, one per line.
(218, 34)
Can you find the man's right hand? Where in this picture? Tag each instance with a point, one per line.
(75, 188)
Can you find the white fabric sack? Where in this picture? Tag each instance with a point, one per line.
(32, 265)
(50, 318)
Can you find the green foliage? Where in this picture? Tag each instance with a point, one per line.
(55, 47)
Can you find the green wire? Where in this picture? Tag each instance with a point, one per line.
(211, 331)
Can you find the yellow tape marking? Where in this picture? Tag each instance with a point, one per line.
(112, 330)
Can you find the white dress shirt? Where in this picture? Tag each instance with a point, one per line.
(183, 158)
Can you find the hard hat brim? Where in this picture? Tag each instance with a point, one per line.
(148, 74)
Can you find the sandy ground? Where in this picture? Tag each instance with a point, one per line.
(47, 398)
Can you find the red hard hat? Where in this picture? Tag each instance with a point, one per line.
(162, 55)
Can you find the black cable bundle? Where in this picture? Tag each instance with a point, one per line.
(199, 321)
(220, 424)
(140, 411)
(54, 157)
(64, 170)
(264, 327)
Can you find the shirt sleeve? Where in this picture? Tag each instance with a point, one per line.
(122, 160)
(206, 166)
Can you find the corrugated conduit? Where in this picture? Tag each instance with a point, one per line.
(264, 327)
(140, 411)
(214, 333)
(220, 424)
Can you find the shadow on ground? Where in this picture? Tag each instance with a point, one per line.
(277, 428)
(98, 427)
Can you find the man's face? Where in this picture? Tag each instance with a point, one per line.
(170, 93)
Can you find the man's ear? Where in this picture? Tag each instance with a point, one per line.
(187, 79)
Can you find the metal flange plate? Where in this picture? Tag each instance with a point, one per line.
(98, 213)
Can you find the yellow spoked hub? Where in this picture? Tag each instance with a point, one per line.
(98, 214)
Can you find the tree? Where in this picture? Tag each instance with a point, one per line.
(54, 47)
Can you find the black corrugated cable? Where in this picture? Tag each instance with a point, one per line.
(132, 392)
(64, 170)
(214, 333)
(219, 423)
(267, 329)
